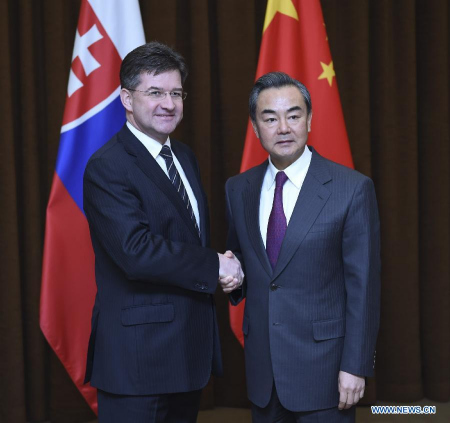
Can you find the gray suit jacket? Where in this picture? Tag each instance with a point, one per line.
(317, 312)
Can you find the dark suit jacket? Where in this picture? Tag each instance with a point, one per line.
(318, 311)
(154, 327)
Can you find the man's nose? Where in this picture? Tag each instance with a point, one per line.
(283, 126)
(167, 102)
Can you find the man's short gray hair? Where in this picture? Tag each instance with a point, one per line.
(276, 80)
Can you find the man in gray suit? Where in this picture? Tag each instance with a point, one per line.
(306, 231)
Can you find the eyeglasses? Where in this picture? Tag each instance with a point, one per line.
(161, 95)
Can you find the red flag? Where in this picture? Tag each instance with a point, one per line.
(93, 113)
(294, 41)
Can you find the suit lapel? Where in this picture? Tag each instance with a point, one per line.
(152, 170)
(310, 202)
(251, 198)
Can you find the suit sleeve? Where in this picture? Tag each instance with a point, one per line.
(361, 257)
(117, 220)
(233, 245)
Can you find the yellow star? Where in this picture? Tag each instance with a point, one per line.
(283, 6)
(328, 72)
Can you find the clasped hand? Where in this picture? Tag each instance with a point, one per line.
(231, 275)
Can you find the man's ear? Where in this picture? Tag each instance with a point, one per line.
(309, 121)
(255, 128)
(126, 99)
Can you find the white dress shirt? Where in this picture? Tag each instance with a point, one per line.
(154, 148)
(296, 174)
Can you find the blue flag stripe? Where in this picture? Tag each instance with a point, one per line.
(77, 146)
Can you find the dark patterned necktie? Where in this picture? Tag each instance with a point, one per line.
(166, 154)
(277, 226)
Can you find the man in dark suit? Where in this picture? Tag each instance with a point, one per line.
(154, 340)
(306, 231)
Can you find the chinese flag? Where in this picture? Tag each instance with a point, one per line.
(294, 41)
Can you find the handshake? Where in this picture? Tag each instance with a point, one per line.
(231, 275)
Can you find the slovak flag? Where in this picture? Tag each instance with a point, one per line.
(107, 31)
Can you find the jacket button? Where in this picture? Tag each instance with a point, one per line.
(273, 286)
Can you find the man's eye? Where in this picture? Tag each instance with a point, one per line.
(155, 94)
(270, 120)
(294, 117)
(176, 94)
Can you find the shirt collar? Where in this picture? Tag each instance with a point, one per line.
(295, 171)
(153, 146)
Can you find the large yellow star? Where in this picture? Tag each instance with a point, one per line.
(283, 6)
(328, 72)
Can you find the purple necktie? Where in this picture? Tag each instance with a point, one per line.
(277, 222)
